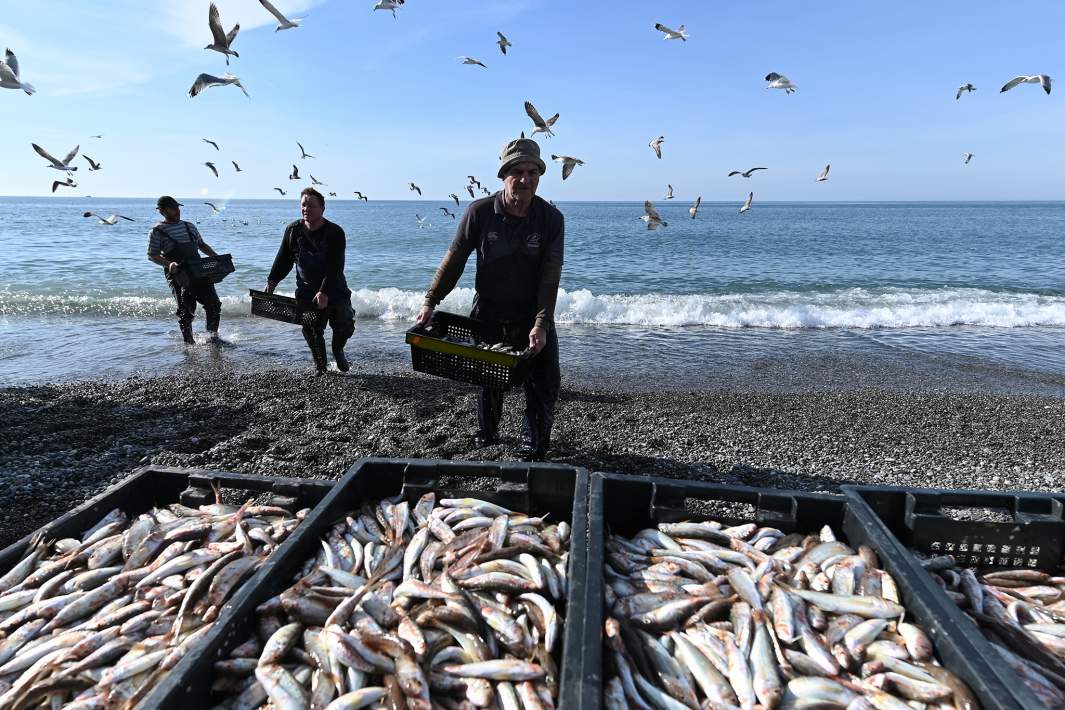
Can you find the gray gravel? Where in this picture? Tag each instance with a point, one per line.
(63, 443)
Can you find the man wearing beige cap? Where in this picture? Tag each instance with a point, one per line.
(519, 241)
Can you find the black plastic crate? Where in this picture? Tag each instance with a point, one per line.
(625, 504)
(560, 491)
(207, 268)
(1025, 530)
(433, 354)
(283, 308)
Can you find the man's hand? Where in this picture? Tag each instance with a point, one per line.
(172, 267)
(270, 286)
(321, 300)
(424, 315)
(537, 338)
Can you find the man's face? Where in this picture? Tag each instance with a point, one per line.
(522, 179)
(311, 209)
(170, 214)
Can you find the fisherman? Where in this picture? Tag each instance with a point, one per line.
(519, 241)
(171, 243)
(316, 247)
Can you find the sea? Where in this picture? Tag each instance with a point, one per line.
(788, 295)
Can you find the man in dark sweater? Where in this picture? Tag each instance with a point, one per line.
(519, 241)
(316, 247)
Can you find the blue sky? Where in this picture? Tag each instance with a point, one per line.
(382, 102)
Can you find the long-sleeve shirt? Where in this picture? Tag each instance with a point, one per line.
(519, 261)
(321, 267)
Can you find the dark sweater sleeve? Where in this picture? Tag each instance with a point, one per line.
(454, 262)
(286, 257)
(335, 247)
(551, 275)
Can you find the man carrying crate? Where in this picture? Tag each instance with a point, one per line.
(519, 241)
(171, 243)
(316, 247)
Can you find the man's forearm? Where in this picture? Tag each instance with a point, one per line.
(157, 259)
(447, 275)
(550, 276)
(206, 249)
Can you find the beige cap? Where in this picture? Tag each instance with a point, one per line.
(520, 150)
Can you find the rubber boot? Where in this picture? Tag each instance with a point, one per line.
(338, 353)
(186, 333)
(316, 341)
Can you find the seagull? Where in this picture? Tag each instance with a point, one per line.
(474, 181)
(295, 173)
(281, 191)
(448, 212)
(212, 167)
(303, 153)
(285, 23)
(746, 173)
(485, 191)
(656, 145)
(69, 182)
(332, 194)
(111, 221)
(968, 157)
(236, 167)
(695, 206)
(361, 196)
(316, 181)
(824, 174)
(471, 60)
(9, 76)
(669, 192)
(678, 33)
(208, 140)
(96, 136)
(213, 207)
(747, 203)
(962, 89)
(389, 5)
(422, 224)
(93, 165)
(206, 81)
(469, 189)
(542, 126)
(65, 165)
(1041, 79)
(568, 163)
(221, 39)
(651, 217)
(503, 42)
(415, 188)
(779, 81)
(455, 198)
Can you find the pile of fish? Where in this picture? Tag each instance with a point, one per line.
(440, 605)
(703, 615)
(491, 347)
(1022, 613)
(96, 622)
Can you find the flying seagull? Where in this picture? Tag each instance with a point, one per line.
(962, 89)
(96, 136)
(303, 153)
(284, 22)
(64, 165)
(93, 165)
(316, 181)
(69, 182)
(415, 188)
(455, 198)
(651, 216)
(212, 167)
(542, 126)
(213, 207)
(361, 196)
(568, 163)
(9, 76)
(485, 191)
(669, 192)
(422, 224)
(281, 191)
(679, 33)
(824, 174)
(332, 194)
(448, 212)
(1041, 79)
(236, 167)
(471, 60)
(746, 173)
(656, 145)
(503, 42)
(206, 81)
(968, 157)
(295, 173)
(110, 220)
(694, 209)
(779, 81)
(208, 140)
(389, 5)
(469, 189)
(221, 41)
(474, 181)
(747, 203)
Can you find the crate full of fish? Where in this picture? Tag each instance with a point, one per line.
(994, 560)
(467, 350)
(728, 596)
(416, 584)
(98, 607)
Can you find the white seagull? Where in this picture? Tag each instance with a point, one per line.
(1041, 79)
(503, 42)
(111, 220)
(64, 165)
(656, 145)
(695, 206)
(747, 203)
(316, 181)
(968, 157)
(745, 173)
(962, 89)
(236, 167)
(69, 182)
(779, 81)
(669, 192)
(221, 41)
(208, 140)
(332, 194)
(422, 224)
(469, 189)
(824, 174)
(361, 196)
(679, 33)
(448, 212)
(474, 181)
(93, 165)
(283, 193)
(568, 163)
(9, 76)
(212, 167)
(303, 153)
(415, 188)
(388, 5)
(213, 207)
(471, 60)
(651, 216)
(284, 22)
(455, 198)
(295, 173)
(206, 81)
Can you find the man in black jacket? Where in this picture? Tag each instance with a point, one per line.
(519, 240)
(316, 247)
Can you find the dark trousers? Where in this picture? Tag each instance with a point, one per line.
(188, 296)
(541, 394)
(338, 315)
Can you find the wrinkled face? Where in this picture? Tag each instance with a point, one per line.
(522, 179)
(170, 214)
(311, 209)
